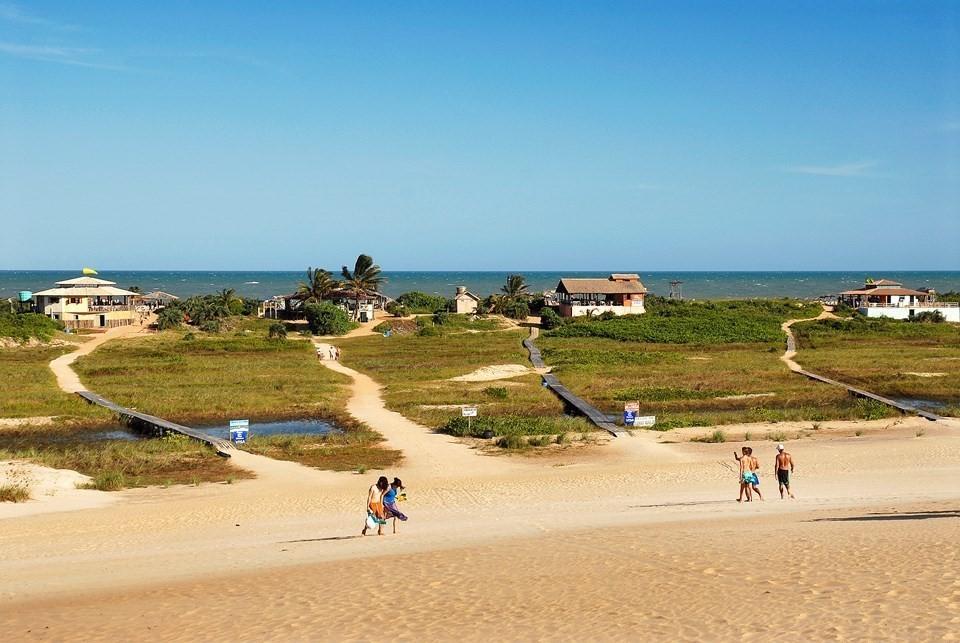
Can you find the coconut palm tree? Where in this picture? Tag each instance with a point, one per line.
(318, 285)
(226, 297)
(364, 277)
(515, 288)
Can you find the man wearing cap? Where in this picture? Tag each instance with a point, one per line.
(784, 467)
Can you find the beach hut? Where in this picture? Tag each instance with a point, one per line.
(87, 302)
(370, 301)
(157, 299)
(620, 293)
(887, 298)
(465, 302)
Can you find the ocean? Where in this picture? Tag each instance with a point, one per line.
(696, 285)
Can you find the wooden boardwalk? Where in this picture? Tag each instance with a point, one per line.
(592, 413)
(859, 392)
(151, 423)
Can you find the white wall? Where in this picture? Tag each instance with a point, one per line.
(951, 313)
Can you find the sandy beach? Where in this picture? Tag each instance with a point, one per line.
(632, 540)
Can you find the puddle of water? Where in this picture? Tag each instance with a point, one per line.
(285, 427)
(920, 403)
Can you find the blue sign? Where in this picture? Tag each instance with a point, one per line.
(239, 431)
(629, 417)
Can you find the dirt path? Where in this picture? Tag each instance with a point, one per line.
(67, 379)
(425, 453)
(791, 350)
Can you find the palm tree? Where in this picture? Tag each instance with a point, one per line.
(318, 285)
(226, 297)
(365, 277)
(515, 288)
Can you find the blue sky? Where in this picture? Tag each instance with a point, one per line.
(667, 136)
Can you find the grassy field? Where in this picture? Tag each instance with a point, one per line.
(119, 464)
(355, 450)
(30, 389)
(885, 356)
(706, 322)
(696, 385)
(191, 377)
(696, 363)
(416, 372)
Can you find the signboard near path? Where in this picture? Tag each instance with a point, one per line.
(468, 411)
(630, 412)
(645, 420)
(239, 431)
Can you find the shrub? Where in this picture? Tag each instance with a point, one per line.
(440, 317)
(211, 326)
(549, 319)
(717, 436)
(510, 425)
(396, 309)
(871, 409)
(14, 493)
(24, 326)
(498, 392)
(107, 481)
(277, 330)
(169, 317)
(512, 441)
(421, 302)
(326, 319)
(516, 309)
(929, 317)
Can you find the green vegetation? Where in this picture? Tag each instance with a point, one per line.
(717, 437)
(951, 295)
(893, 358)
(30, 389)
(511, 426)
(514, 299)
(26, 326)
(693, 384)
(277, 330)
(549, 319)
(14, 492)
(326, 319)
(416, 372)
(420, 302)
(356, 449)
(206, 312)
(709, 322)
(118, 464)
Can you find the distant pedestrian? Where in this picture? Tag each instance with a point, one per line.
(393, 495)
(375, 512)
(337, 349)
(784, 467)
(320, 353)
(745, 475)
(333, 353)
(755, 470)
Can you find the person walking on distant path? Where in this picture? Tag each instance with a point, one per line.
(333, 353)
(390, 498)
(755, 470)
(784, 467)
(743, 459)
(375, 513)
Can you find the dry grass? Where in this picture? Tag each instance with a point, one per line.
(355, 450)
(14, 493)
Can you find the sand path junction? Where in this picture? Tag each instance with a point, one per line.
(632, 539)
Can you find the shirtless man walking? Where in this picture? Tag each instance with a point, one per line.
(784, 467)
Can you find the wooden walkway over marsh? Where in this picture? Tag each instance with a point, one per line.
(592, 413)
(153, 424)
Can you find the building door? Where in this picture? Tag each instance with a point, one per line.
(103, 321)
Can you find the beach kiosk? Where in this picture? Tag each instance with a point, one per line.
(886, 298)
(465, 302)
(87, 302)
(621, 294)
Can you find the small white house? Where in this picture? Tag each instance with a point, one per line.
(88, 302)
(465, 302)
(621, 294)
(885, 298)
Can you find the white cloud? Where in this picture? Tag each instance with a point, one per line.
(75, 56)
(12, 13)
(861, 168)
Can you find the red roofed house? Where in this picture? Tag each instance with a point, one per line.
(621, 294)
(885, 298)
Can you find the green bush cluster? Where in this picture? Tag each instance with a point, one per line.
(549, 319)
(677, 322)
(421, 302)
(509, 425)
(599, 356)
(25, 326)
(667, 393)
(326, 319)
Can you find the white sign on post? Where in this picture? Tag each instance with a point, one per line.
(645, 420)
(468, 411)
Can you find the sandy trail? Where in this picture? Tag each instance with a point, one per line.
(67, 379)
(791, 350)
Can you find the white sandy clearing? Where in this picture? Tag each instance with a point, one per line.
(700, 359)
(50, 490)
(36, 420)
(926, 374)
(744, 396)
(494, 372)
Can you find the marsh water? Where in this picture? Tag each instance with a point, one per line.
(221, 431)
